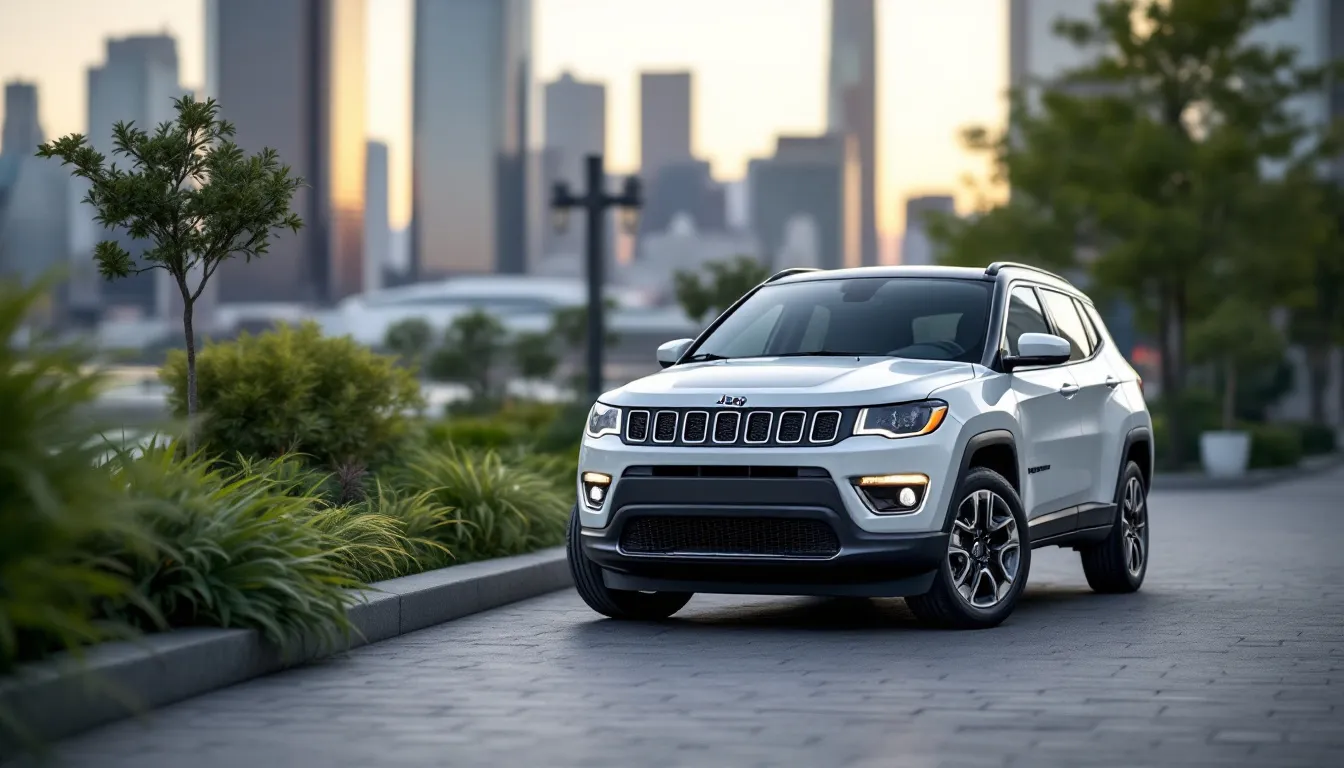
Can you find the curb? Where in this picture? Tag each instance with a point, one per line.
(56, 700)
(1255, 478)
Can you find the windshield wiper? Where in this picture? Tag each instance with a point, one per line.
(705, 357)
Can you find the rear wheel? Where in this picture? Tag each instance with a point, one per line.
(1118, 564)
(614, 603)
(988, 557)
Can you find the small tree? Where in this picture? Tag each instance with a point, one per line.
(409, 339)
(1239, 339)
(726, 282)
(534, 355)
(192, 193)
(469, 353)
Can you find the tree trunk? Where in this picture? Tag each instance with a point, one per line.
(1170, 351)
(1229, 396)
(1318, 378)
(192, 404)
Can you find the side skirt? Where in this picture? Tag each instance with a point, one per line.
(1073, 527)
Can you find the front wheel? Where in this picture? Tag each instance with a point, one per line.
(614, 603)
(1118, 564)
(988, 558)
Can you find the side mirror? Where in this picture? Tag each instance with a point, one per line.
(1038, 349)
(670, 352)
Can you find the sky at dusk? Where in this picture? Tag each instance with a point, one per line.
(760, 70)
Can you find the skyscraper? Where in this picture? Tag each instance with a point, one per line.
(136, 83)
(666, 120)
(22, 131)
(576, 126)
(851, 104)
(471, 126)
(1036, 55)
(290, 75)
(805, 198)
(377, 228)
(916, 246)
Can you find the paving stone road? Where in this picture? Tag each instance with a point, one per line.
(1232, 655)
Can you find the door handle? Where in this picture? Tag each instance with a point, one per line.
(1112, 382)
(1068, 390)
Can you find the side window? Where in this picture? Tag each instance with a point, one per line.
(1069, 325)
(1024, 316)
(1089, 323)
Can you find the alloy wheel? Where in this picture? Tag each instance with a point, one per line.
(985, 549)
(1134, 526)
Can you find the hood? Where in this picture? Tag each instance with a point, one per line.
(792, 381)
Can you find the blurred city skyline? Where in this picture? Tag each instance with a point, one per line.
(760, 71)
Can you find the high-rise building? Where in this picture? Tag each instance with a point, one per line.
(136, 83)
(471, 132)
(377, 226)
(1037, 56)
(805, 199)
(916, 247)
(666, 121)
(576, 127)
(289, 74)
(32, 192)
(851, 104)
(22, 131)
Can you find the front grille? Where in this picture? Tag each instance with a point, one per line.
(739, 427)
(696, 427)
(665, 427)
(637, 428)
(743, 536)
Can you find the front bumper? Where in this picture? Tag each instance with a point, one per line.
(865, 563)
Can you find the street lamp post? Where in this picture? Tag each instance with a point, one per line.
(595, 201)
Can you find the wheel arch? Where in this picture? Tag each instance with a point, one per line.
(994, 449)
(1139, 448)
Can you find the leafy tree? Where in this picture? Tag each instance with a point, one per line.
(191, 192)
(1238, 338)
(471, 350)
(534, 355)
(1145, 169)
(570, 325)
(725, 283)
(409, 339)
(1318, 317)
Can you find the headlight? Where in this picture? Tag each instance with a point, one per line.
(603, 420)
(907, 420)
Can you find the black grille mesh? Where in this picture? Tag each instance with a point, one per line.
(725, 426)
(638, 428)
(758, 426)
(696, 427)
(824, 426)
(791, 426)
(779, 537)
(665, 426)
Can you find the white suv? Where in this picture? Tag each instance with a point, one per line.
(880, 432)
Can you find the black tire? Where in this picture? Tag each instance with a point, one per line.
(615, 603)
(945, 605)
(1107, 564)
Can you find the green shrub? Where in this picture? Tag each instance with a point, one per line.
(1274, 445)
(1317, 439)
(498, 509)
(295, 390)
(233, 549)
(476, 432)
(564, 434)
(1200, 413)
(55, 500)
(388, 534)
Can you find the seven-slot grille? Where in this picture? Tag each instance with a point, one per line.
(741, 536)
(738, 426)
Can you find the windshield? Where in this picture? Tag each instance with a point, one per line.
(920, 318)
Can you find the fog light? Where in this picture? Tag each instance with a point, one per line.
(892, 494)
(595, 485)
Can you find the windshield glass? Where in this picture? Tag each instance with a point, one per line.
(920, 318)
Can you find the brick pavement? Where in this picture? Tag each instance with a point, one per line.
(1232, 655)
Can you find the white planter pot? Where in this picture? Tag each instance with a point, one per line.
(1225, 454)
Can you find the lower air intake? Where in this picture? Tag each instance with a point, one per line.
(745, 536)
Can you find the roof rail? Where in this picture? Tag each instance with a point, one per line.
(790, 271)
(993, 269)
